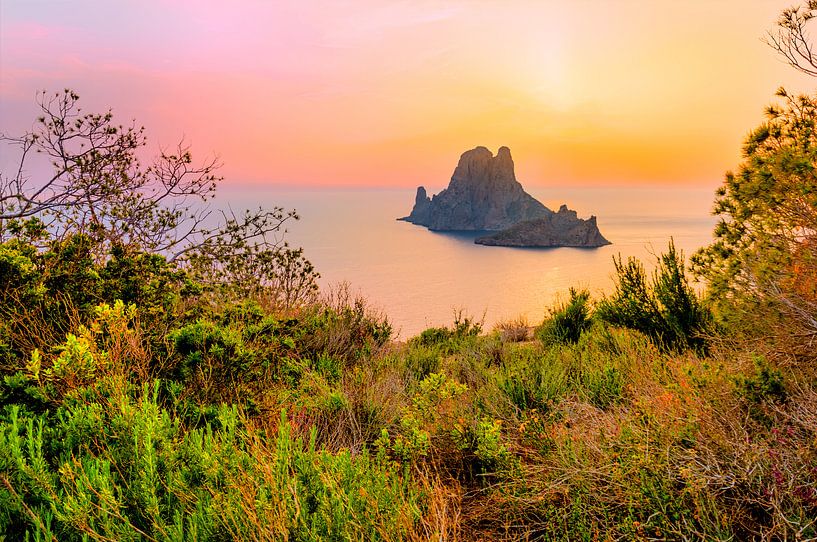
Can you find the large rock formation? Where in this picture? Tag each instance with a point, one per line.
(484, 195)
(562, 229)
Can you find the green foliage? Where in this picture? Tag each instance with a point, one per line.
(448, 338)
(234, 361)
(203, 342)
(129, 471)
(431, 413)
(534, 381)
(427, 350)
(484, 440)
(666, 308)
(598, 437)
(433, 336)
(568, 322)
(764, 384)
(762, 266)
(596, 368)
(64, 283)
(107, 459)
(345, 329)
(437, 426)
(604, 385)
(421, 360)
(768, 206)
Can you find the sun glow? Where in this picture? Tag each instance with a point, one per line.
(376, 93)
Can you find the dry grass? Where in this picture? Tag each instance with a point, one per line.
(677, 450)
(515, 330)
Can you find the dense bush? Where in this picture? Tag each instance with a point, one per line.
(88, 450)
(448, 338)
(44, 293)
(125, 468)
(343, 326)
(101, 435)
(425, 352)
(567, 323)
(665, 308)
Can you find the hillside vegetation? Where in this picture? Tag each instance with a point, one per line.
(138, 406)
(167, 386)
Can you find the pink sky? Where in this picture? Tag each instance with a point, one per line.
(379, 93)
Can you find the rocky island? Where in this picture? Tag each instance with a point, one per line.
(484, 195)
(562, 229)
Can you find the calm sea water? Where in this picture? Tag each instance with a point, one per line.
(420, 278)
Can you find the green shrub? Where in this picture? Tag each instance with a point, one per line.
(604, 385)
(46, 291)
(764, 384)
(484, 440)
(421, 360)
(534, 380)
(567, 323)
(665, 308)
(239, 363)
(206, 346)
(433, 336)
(601, 365)
(449, 339)
(124, 468)
(431, 414)
(341, 327)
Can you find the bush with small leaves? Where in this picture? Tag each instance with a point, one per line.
(764, 384)
(666, 308)
(567, 323)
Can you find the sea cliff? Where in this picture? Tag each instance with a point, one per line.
(484, 195)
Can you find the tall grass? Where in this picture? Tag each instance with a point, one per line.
(234, 422)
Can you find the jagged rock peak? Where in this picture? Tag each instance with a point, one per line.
(479, 166)
(422, 207)
(421, 196)
(483, 195)
(565, 212)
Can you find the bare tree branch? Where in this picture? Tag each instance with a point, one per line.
(791, 39)
(99, 188)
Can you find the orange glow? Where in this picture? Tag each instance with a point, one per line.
(390, 93)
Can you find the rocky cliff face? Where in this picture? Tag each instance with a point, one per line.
(562, 229)
(483, 195)
(421, 212)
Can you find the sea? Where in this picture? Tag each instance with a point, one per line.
(419, 278)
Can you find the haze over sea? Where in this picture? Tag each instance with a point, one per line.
(420, 278)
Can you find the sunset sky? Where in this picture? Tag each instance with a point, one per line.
(382, 93)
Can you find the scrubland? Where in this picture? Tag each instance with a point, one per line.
(138, 405)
